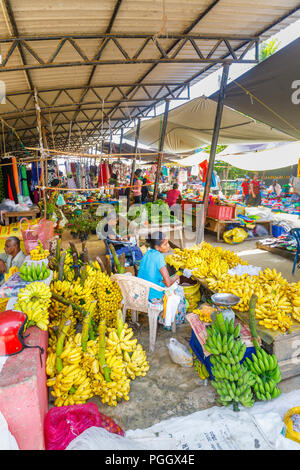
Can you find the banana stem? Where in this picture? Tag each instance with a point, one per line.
(61, 267)
(220, 322)
(101, 353)
(235, 406)
(120, 268)
(64, 316)
(60, 344)
(58, 245)
(120, 324)
(86, 326)
(62, 300)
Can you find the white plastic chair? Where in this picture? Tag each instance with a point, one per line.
(135, 293)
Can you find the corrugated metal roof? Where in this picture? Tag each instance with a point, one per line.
(61, 48)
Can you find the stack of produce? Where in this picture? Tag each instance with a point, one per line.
(264, 366)
(80, 368)
(31, 273)
(38, 253)
(277, 299)
(232, 381)
(235, 382)
(204, 260)
(34, 300)
(93, 284)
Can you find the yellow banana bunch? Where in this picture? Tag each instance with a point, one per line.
(34, 300)
(204, 260)
(122, 343)
(275, 305)
(136, 363)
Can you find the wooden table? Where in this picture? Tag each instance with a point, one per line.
(277, 251)
(219, 226)
(31, 213)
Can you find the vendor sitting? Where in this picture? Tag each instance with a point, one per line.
(109, 231)
(153, 268)
(13, 255)
(121, 244)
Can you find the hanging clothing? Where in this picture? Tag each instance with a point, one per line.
(8, 176)
(104, 174)
(16, 174)
(24, 181)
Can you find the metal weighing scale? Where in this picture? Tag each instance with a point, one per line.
(223, 303)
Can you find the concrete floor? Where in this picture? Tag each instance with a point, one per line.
(168, 389)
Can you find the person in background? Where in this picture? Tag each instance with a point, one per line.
(275, 188)
(245, 189)
(113, 181)
(145, 190)
(137, 187)
(13, 255)
(254, 192)
(174, 196)
(153, 268)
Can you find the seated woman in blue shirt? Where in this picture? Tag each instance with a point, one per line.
(153, 268)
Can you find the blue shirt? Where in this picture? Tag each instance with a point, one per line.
(149, 270)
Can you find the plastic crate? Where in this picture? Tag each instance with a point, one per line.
(221, 212)
(277, 230)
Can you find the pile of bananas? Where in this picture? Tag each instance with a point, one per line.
(204, 260)
(34, 300)
(34, 272)
(233, 380)
(79, 372)
(265, 368)
(295, 299)
(39, 253)
(274, 305)
(79, 292)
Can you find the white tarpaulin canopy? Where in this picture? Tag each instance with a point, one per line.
(278, 157)
(191, 125)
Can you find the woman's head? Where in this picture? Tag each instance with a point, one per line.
(138, 172)
(158, 241)
(175, 186)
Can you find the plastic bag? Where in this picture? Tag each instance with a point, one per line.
(179, 353)
(99, 439)
(65, 423)
(236, 235)
(260, 231)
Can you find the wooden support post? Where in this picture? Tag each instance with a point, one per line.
(137, 135)
(160, 150)
(42, 156)
(213, 149)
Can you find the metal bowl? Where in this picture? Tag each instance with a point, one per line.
(226, 300)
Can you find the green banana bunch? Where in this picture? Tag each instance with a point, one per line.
(233, 380)
(264, 366)
(34, 273)
(267, 374)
